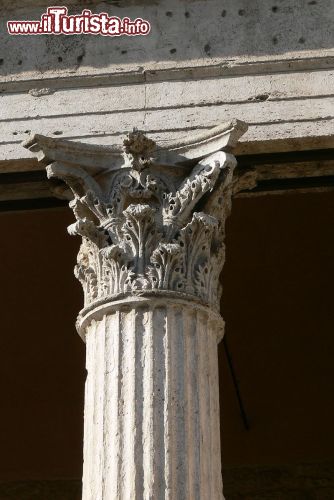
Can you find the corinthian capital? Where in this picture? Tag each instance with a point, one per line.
(151, 218)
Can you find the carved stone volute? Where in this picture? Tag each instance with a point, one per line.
(149, 225)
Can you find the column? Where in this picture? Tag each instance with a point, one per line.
(152, 226)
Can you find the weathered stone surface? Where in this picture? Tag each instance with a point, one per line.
(239, 90)
(275, 110)
(144, 219)
(94, 89)
(152, 222)
(152, 405)
(183, 34)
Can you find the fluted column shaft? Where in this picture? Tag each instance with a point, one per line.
(152, 402)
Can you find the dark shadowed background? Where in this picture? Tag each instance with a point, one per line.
(278, 307)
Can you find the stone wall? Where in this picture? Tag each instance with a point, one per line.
(204, 62)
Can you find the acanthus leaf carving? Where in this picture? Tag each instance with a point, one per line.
(149, 226)
(166, 272)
